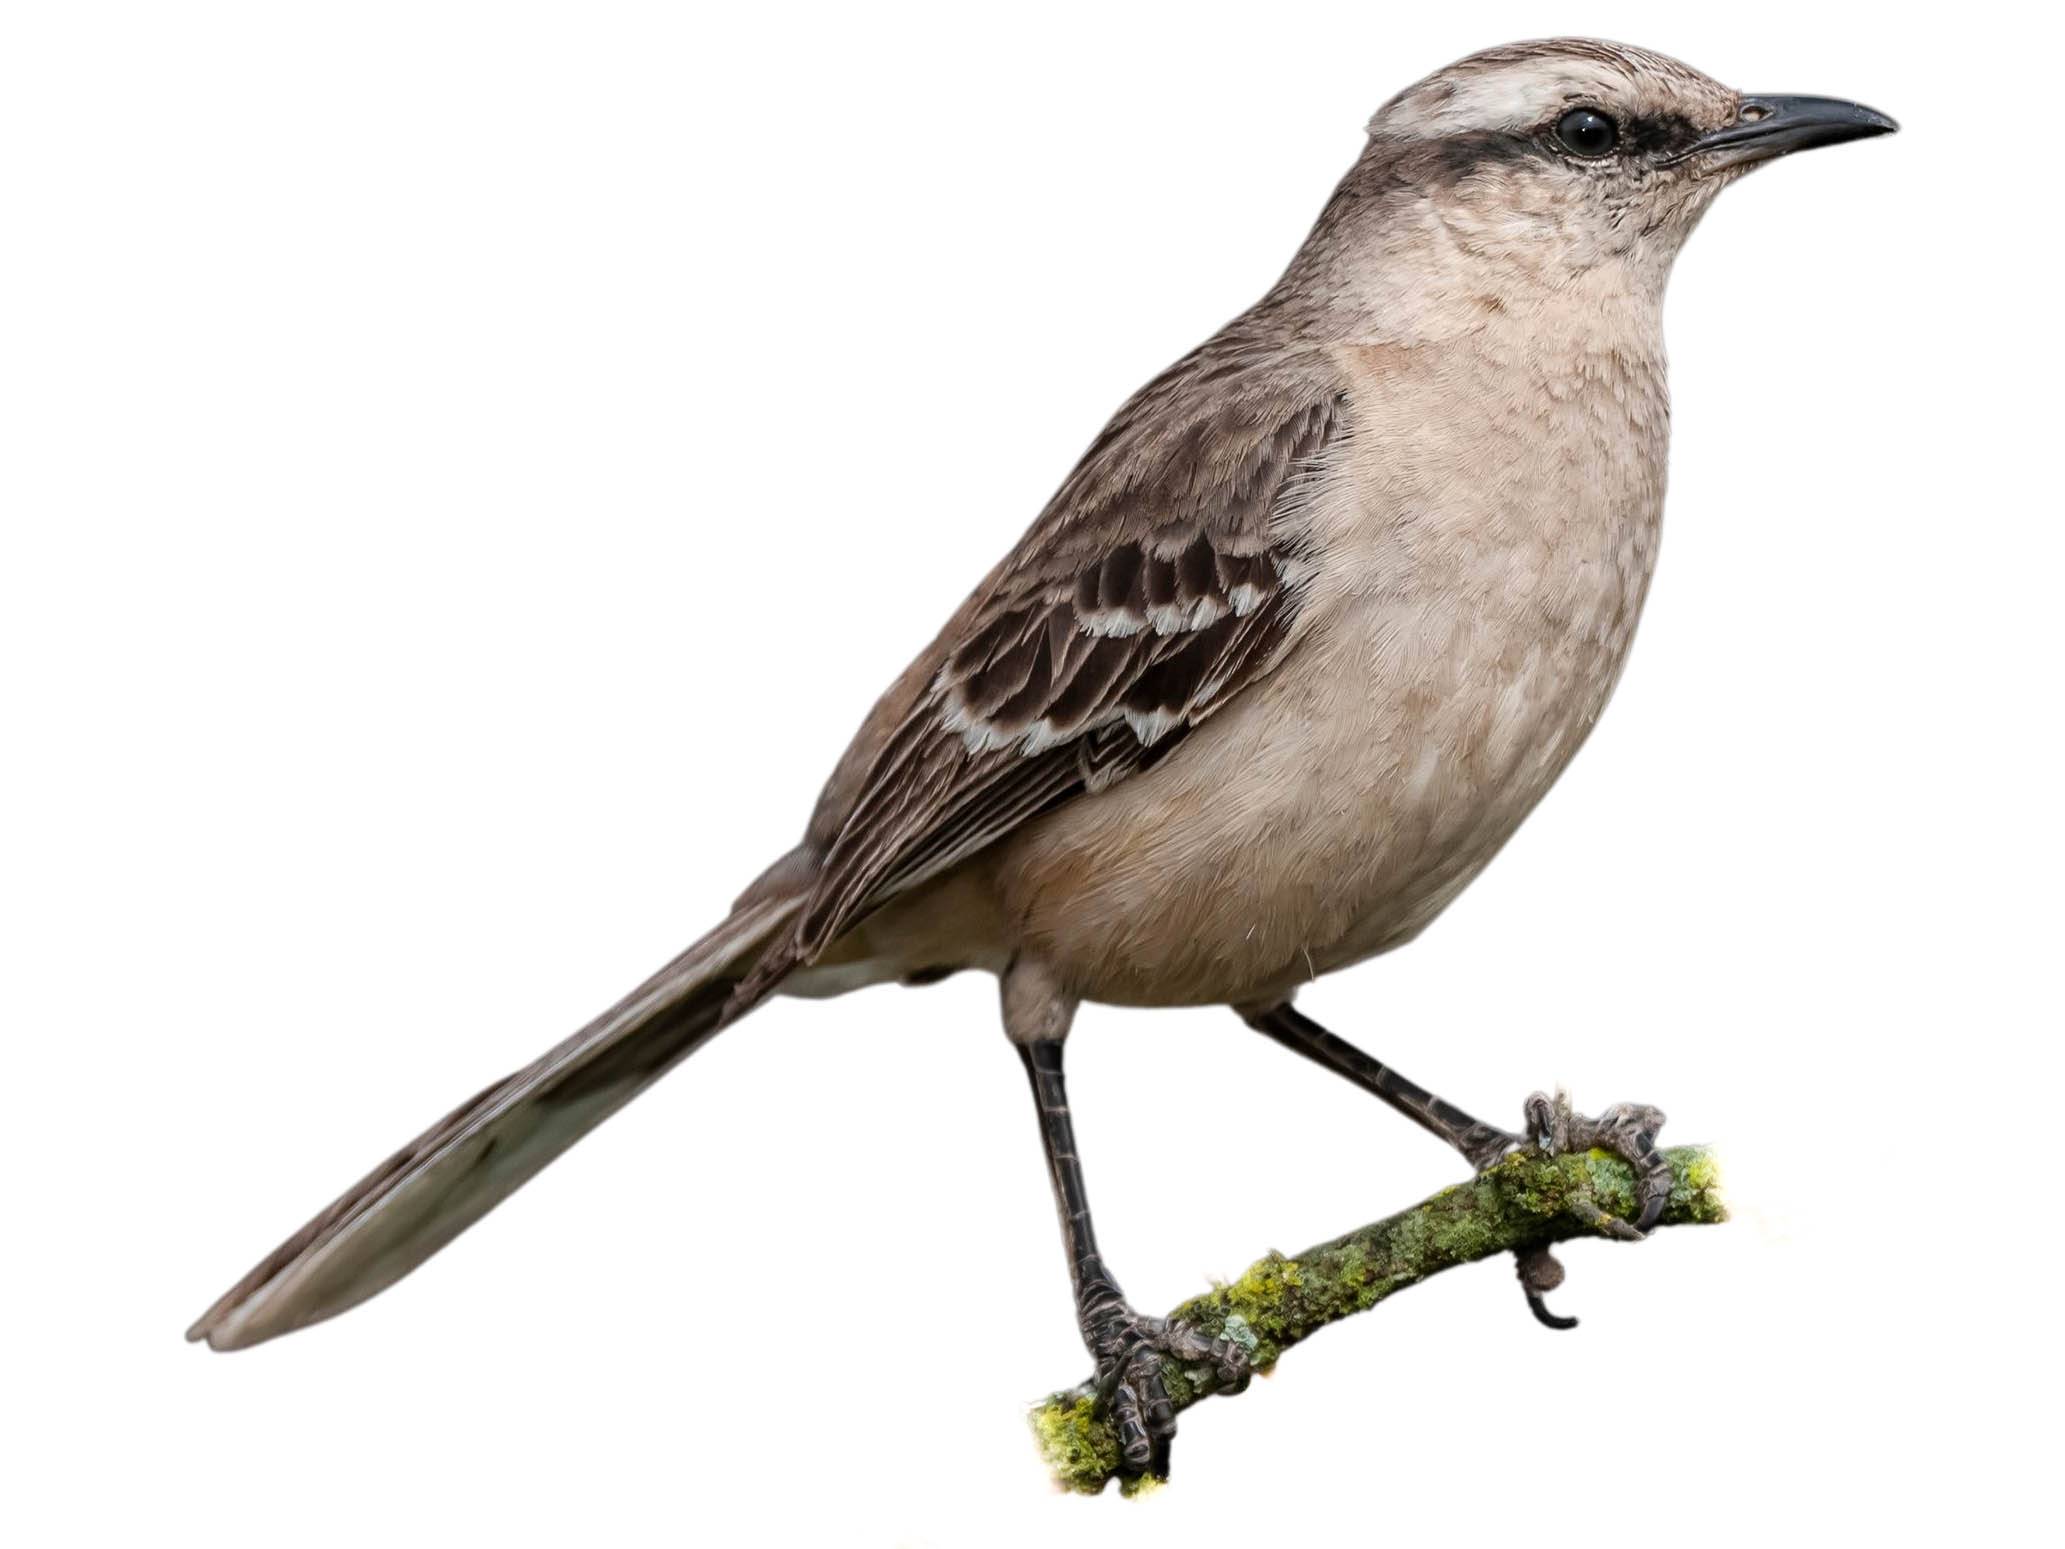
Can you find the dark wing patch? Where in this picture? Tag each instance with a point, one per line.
(1151, 590)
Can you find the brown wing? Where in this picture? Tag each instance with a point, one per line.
(1156, 585)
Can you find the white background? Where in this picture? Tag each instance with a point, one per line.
(468, 468)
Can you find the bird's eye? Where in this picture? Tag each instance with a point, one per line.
(1585, 132)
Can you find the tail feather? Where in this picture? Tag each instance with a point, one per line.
(480, 1153)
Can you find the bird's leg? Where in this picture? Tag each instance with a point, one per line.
(1481, 1144)
(1626, 1130)
(1127, 1346)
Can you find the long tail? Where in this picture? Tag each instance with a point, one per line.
(459, 1169)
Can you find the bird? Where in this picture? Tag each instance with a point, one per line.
(1307, 632)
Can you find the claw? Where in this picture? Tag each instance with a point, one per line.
(1604, 1224)
(1141, 1410)
(1626, 1130)
(1125, 1412)
(1161, 1415)
(1540, 1273)
(1129, 1349)
(1544, 1317)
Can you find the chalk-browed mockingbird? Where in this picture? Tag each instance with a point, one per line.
(1308, 631)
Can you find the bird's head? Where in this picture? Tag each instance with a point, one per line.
(1562, 157)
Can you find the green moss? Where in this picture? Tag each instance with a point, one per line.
(1524, 1201)
(1535, 1185)
(1263, 1299)
(1459, 1236)
(1698, 1192)
(1081, 1450)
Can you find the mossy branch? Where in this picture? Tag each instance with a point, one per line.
(1528, 1200)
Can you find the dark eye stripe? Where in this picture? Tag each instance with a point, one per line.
(1658, 136)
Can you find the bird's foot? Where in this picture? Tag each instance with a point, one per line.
(1129, 1348)
(1626, 1130)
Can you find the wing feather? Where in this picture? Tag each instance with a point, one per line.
(1159, 583)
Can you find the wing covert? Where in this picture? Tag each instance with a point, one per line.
(1160, 581)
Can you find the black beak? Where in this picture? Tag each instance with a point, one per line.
(1778, 126)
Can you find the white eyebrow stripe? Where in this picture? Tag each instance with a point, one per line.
(1513, 94)
(1507, 100)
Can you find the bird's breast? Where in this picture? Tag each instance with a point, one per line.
(1476, 558)
(1482, 584)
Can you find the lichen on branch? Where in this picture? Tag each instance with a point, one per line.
(1526, 1201)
